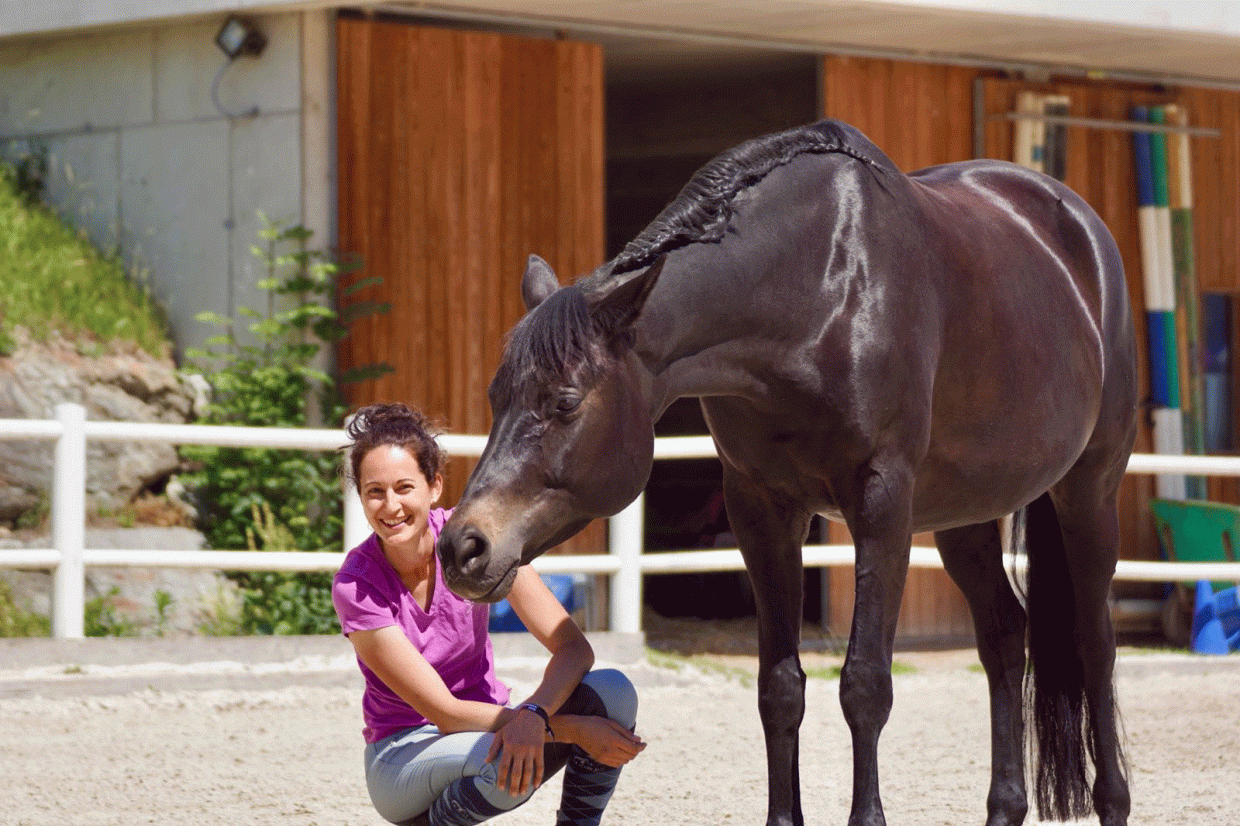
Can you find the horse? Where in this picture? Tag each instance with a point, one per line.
(929, 351)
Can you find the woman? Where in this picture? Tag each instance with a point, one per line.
(443, 744)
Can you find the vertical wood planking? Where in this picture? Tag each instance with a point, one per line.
(461, 152)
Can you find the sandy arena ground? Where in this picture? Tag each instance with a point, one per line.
(240, 733)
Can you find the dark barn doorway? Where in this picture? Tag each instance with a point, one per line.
(671, 107)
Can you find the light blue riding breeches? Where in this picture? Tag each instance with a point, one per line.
(421, 770)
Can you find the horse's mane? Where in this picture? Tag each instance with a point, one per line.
(703, 208)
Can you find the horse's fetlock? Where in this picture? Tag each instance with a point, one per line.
(1007, 805)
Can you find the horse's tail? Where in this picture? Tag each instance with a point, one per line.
(1061, 744)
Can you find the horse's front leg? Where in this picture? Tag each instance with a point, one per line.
(880, 519)
(771, 531)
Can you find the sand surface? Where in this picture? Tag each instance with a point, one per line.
(248, 737)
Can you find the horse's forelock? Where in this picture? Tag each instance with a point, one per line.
(550, 340)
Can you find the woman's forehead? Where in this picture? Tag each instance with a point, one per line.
(390, 462)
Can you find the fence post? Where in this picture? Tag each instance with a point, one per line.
(69, 523)
(356, 528)
(624, 540)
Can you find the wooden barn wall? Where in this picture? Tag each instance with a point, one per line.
(460, 153)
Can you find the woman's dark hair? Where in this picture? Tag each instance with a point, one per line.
(380, 425)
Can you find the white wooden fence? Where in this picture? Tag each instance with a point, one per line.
(625, 563)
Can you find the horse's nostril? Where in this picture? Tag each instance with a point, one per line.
(472, 552)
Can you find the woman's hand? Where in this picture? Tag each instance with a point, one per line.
(519, 746)
(606, 741)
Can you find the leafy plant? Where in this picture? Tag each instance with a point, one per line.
(271, 378)
(221, 616)
(104, 620)
(37, 516)
(163, 602)
(19, 621)
(29, 174)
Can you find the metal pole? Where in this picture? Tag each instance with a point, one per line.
(625, 543)
(69, 523)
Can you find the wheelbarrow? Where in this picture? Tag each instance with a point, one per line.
(1194, 531)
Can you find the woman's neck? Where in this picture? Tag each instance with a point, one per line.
(414, 562)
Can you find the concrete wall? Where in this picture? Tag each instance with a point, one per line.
(143, 161)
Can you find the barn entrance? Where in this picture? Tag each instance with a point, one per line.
(671, 107)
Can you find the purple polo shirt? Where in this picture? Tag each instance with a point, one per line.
(452, 635)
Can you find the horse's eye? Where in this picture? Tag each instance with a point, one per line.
(567, 404)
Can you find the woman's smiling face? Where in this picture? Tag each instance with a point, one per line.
(396, 495)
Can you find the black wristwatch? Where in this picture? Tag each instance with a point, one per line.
(541, 712)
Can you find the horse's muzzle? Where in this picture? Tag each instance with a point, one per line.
(465, 554)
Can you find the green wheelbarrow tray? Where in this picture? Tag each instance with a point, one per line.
(1197, 531)
(1193, 531)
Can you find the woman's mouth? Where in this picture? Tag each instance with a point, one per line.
(393, 524)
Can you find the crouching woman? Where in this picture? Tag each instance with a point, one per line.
(445, 745)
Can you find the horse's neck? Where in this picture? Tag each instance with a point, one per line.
(692, 326)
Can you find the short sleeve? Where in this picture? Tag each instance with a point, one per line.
(360, 603)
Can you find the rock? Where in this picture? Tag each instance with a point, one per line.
(116, 385)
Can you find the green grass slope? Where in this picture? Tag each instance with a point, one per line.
(54, 281)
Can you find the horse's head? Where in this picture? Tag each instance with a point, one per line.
(572, 438)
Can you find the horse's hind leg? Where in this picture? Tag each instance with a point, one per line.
(770, 532)
(972, 556)
(1089, 521)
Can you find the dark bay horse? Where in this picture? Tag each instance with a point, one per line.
(920, 352)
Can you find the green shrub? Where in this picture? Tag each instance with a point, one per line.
(56, 281)
(271, 382)
(102, 619)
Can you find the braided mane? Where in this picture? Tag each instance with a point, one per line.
(702, 210)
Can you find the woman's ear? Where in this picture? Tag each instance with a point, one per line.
(436, 488)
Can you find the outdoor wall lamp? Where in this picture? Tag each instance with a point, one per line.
(235, 38)
(239, 37)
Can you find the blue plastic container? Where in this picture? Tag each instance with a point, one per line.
(503, 618)
(1216, 620)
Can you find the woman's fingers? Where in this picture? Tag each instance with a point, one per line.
(519, 746)
(520, 770)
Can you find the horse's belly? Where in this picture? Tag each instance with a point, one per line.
(998, 468)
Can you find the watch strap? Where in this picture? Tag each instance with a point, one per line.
(541, 712)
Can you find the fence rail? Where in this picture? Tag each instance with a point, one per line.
(625, 562)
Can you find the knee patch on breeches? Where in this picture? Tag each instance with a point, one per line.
(616, 694)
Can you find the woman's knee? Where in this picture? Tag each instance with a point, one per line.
(617, 693)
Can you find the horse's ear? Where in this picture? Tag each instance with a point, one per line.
(538, 283)
(616, 308)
